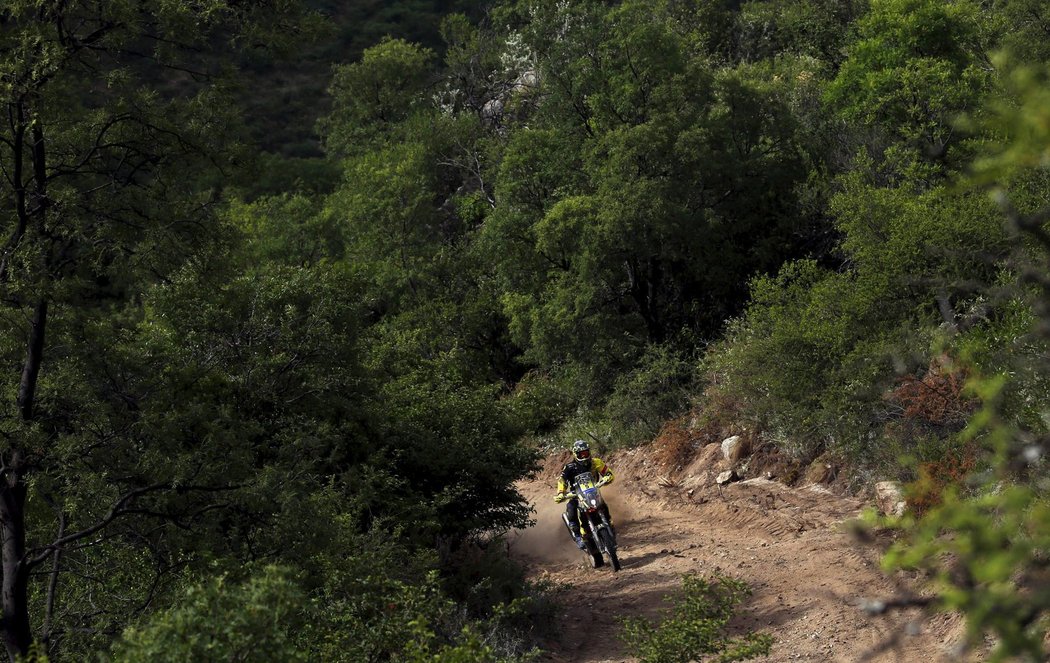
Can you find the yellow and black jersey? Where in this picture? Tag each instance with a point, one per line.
(577, 467)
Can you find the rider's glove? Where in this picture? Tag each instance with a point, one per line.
(560, 497)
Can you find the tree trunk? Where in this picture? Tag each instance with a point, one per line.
(14, 596)
(14, 593)
(643, 282)
(34, 357)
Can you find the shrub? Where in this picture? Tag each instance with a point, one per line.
(647, 396)
(951, 469)
(674, 445)
(540, 401)
(218, 620)
(784, 359)
(936, 398)
(696, 626)
(496, 598)
(926, 413)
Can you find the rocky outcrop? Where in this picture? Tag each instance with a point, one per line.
(734, 448)
(819, 472)
(889, 496)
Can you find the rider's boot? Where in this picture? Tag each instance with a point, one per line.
(574, 529)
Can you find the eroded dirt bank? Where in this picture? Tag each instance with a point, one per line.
(808, 573)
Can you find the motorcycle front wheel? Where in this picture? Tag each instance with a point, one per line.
(609, 543)
(595, 555)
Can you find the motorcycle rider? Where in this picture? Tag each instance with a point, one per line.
(583, 462)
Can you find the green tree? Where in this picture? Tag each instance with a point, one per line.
(611, 228)
(97, 204)
(914, 67)
(815, 28)
(436, 345)
(1022, 26)
(373, 96)
(986, 544)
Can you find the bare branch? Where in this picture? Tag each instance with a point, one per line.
(52, 583)
(118, 509)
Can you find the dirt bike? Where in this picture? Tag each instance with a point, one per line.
(599, 537)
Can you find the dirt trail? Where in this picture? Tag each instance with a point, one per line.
(807, 572)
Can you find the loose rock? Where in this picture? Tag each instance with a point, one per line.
(726, 477)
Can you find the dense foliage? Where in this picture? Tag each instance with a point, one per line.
(208, 408)
(238, 372)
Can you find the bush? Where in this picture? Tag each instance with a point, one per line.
(223, 621)
(784, 358)
(642, 400)
(675, 445)
(539, 403)
(491, 588)
(696, 626)
(951, 469)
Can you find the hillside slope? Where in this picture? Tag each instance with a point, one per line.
(808, 573)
